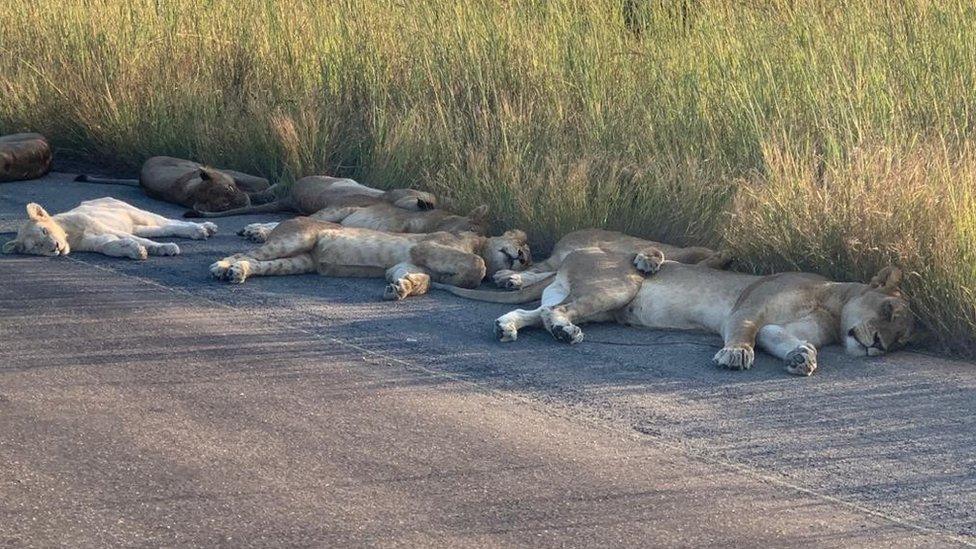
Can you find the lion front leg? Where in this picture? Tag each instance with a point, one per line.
(740, 341)
(113, 246)
(405, 280)
(245, 267)
(800, 355)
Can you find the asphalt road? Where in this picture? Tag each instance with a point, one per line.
(143, 404)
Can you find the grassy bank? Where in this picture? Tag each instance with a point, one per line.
(794, 133)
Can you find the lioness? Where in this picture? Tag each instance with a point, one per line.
(613, 242)
(409, 261)
(107, 226)
(789, 315)
(316, 192)
(24, 156)
(387, 217)
(194, 185)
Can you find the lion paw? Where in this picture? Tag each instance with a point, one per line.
(648, 264)
(509, 280)
(200, 232)
(735, 357)
(567, 333)
(168, 248)
(134, 250)
(255, 232)
(210, 227)
(505, 331)
(802, 361)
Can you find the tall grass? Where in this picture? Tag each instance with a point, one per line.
(798, 134)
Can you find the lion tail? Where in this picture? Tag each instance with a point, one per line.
(525, 295)
(84, 178)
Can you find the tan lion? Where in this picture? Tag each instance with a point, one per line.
(389, 218)
(194, 185)
(789, 315)
(106, 226)
(409, 261)
(24, 156)
(317, 192)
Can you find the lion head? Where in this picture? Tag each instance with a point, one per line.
(40, 235)
(217, 192)
(475, 222)
(410, 199)
(509, 251)
(877, 319)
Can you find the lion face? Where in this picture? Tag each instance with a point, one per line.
(509, 251)
(6, 166)
(218, 192)
(40, 235)
(879, 319)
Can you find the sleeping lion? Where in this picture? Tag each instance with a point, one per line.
(384, 216)
(106, 226)
(316, 192)
(789, 315)
(194, 185)
(409, 261)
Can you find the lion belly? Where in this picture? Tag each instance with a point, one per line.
(685, 297)
(99, 215)
(357, 249)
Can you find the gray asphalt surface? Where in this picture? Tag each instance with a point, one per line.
(142, 403)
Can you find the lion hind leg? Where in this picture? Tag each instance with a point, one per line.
(405, 280)
(508, 325)
(448, 265)
(599, 284)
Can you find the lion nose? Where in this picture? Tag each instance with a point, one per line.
(851, 332)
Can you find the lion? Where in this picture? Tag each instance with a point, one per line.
(106, 226)
(789, 315)
(24, 156)
(317, 192)
(611, 241)
(194, 185)
(408, 261)
(388, 218)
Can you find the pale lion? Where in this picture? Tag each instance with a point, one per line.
(789, 315)
(106, 226)
(409, 261)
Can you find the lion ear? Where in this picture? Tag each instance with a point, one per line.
(205, 174)
(480, 213)
(887, 280)
(11, 247)
(36, 212)
(516, 234)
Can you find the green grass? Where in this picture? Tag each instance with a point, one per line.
(797, 134)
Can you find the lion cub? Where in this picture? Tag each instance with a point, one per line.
(409, 261)
(106, 226)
